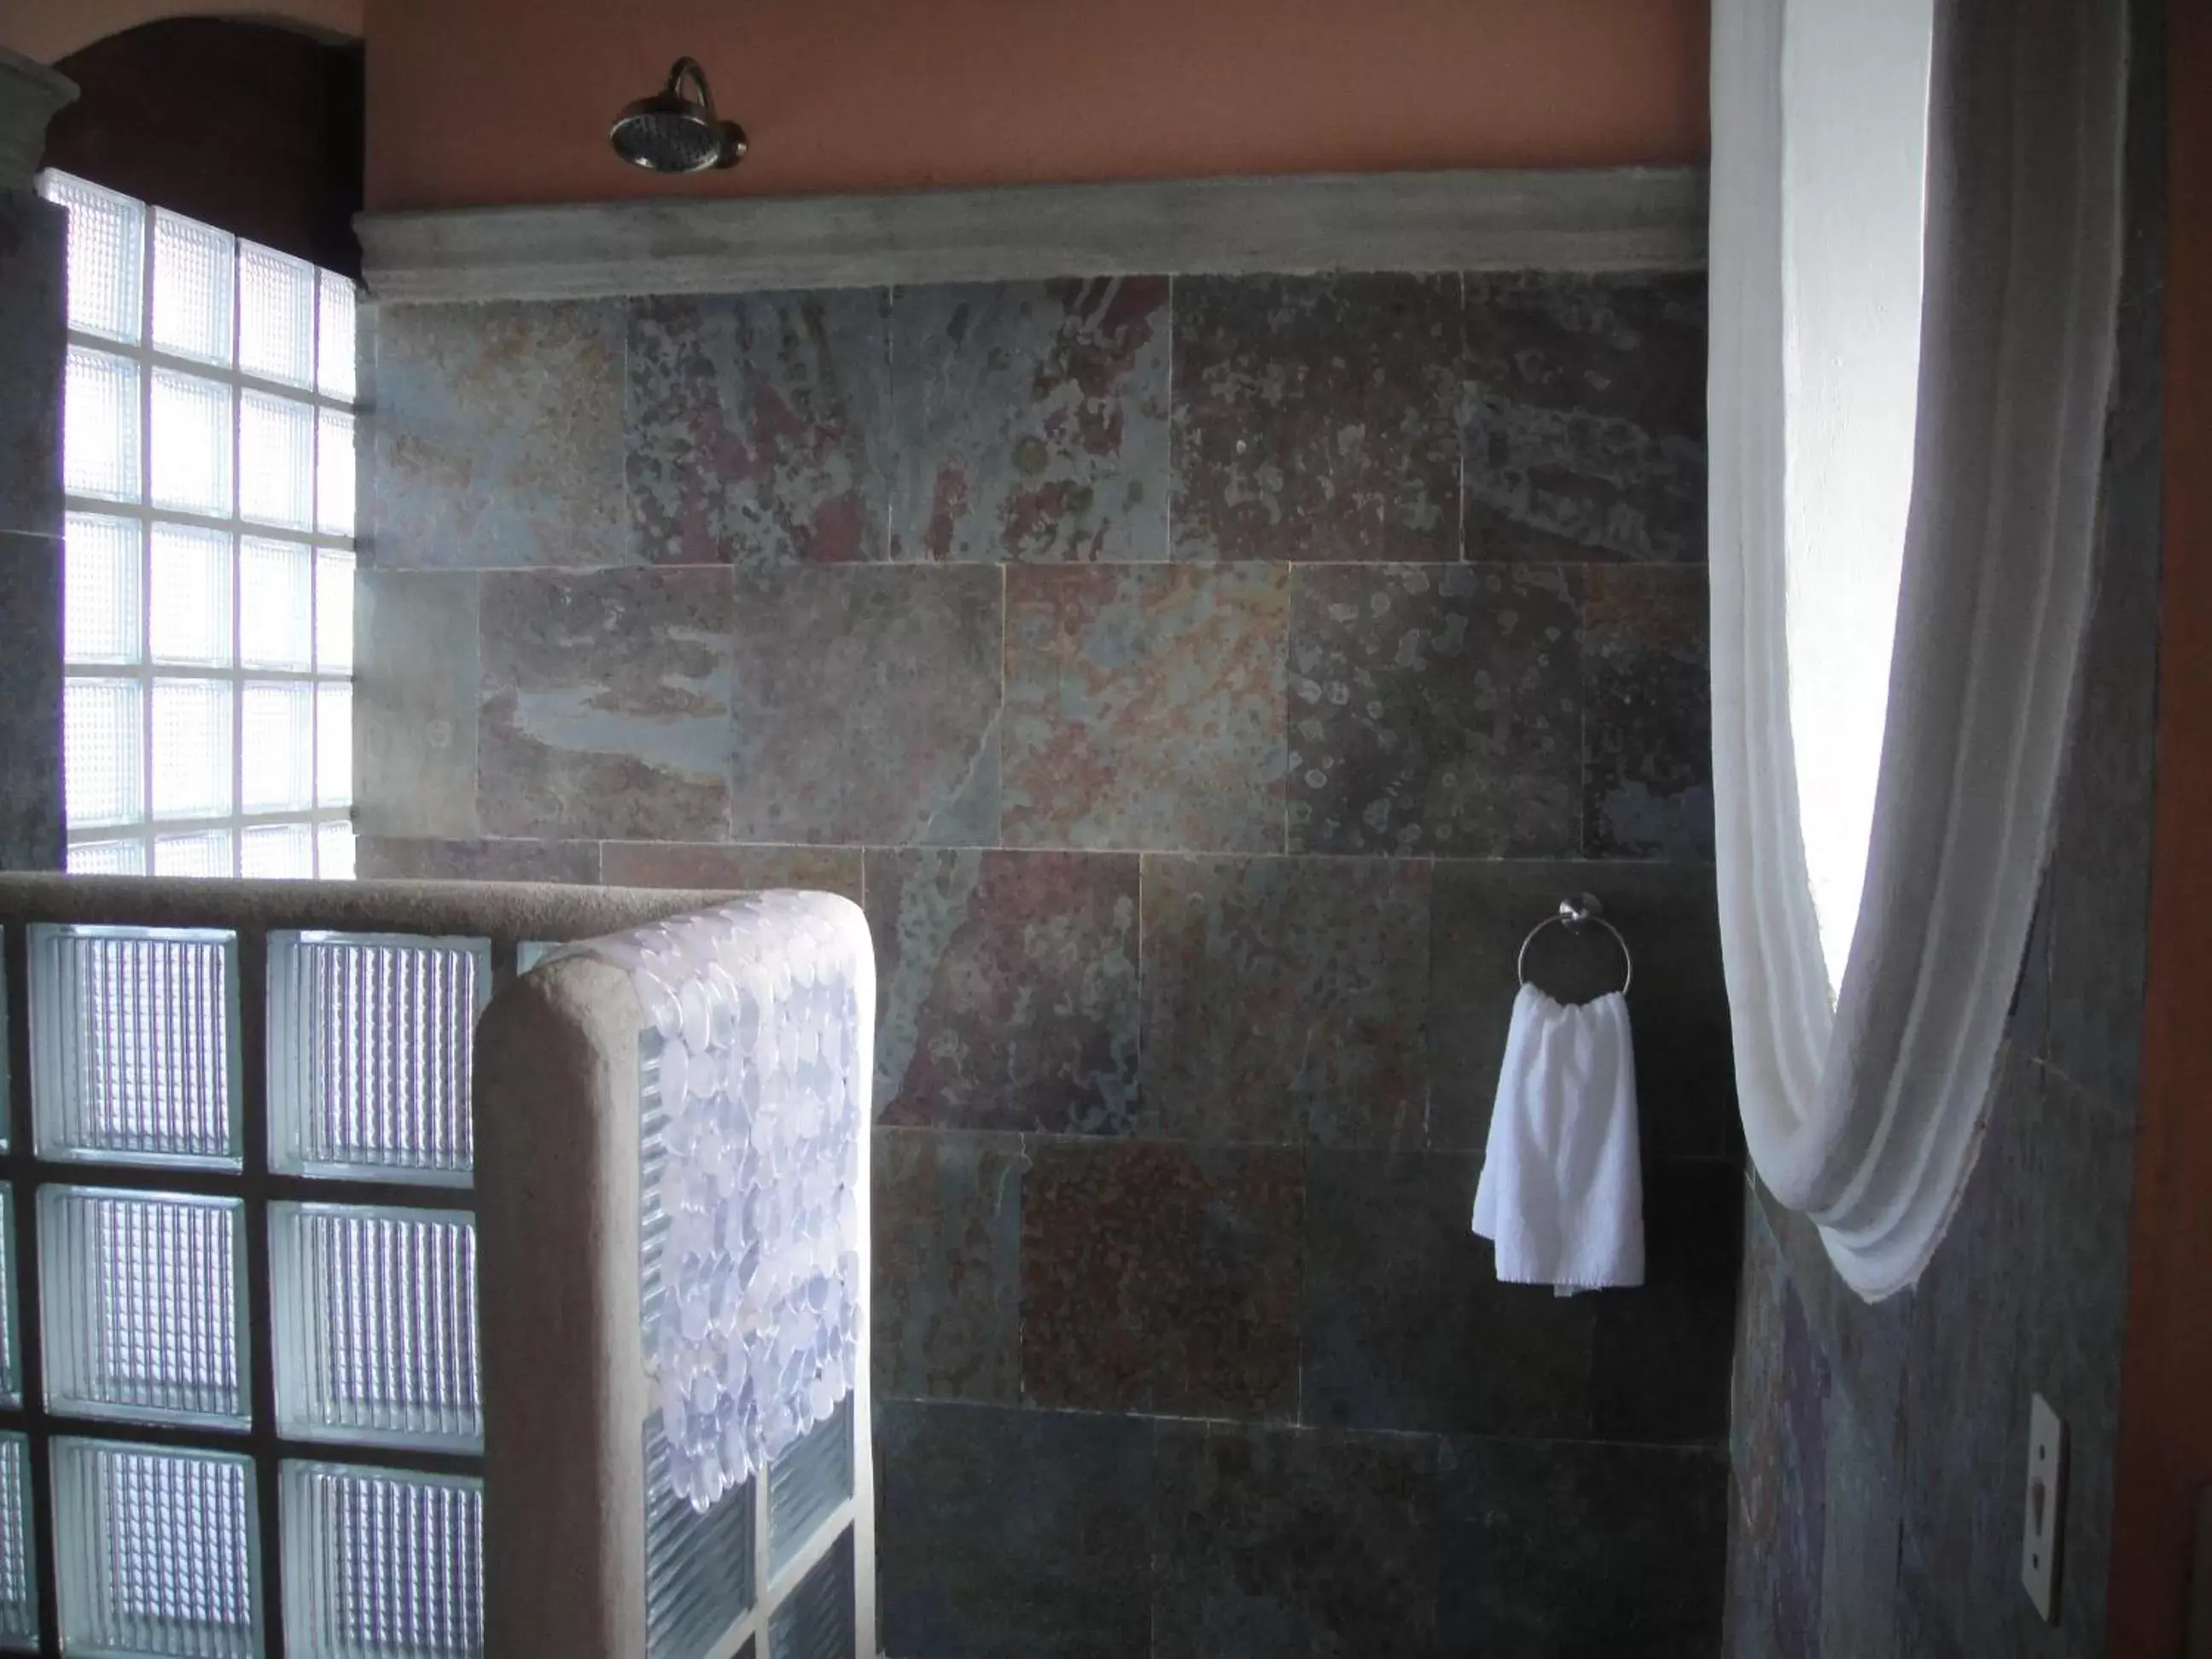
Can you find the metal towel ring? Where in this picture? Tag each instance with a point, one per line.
(1574, 915)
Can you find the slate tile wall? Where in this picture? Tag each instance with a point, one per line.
(1879, 1452)
(1203, 684)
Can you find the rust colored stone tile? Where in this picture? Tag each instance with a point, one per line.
(1006, 990)
(1286, 1542)
(1031, 421)
(1286, 1000)
(1584, 417)
(948, 1227)
(1145, 708)
(1436, 711)
(867, 705)
(1315, 417)
(707, 866)
(1161, 1279)
(605, 705)
(756, 427)
(499, 436)
(1647, 697)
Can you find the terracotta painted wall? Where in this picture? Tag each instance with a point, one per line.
(474, 103)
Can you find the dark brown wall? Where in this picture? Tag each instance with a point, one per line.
(254, 127)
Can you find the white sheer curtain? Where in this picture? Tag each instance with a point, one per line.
(1863, 1105)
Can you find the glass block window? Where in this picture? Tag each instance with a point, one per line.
(208, 453)
(241, 1406)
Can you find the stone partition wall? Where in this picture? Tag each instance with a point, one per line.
(1882, 1452)
(1203, 684)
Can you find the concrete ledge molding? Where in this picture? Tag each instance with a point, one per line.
(1603, 220)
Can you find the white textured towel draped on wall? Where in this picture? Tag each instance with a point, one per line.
(1864, 1109)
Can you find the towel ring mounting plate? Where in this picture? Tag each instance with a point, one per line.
(1574, 914)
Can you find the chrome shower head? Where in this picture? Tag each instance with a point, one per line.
(676, 130)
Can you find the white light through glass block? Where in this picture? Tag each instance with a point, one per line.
(195, 270)
(191, 443)
(103, 745)
(192, 752)
(276, 852)
(334, 573)
(100, 421)
(203, 855)
(191, 599)
(380, 1564)
(334, 852)
(157, 1552)
(142, 1306)
(334, 744)
(19, 1601)
(276, 604)
(103, 606)
(375, 1325)
(335, 342)
(133, 1044)
(815, 1621)
(276, 315)
(107, 858)
(369, 1053)
(277, 460)
(106, 256)
(807, 1484)
(334, 473)
(11, 1363)
(277, 756)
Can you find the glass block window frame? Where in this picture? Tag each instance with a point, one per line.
(208, 456)
(319, 1490)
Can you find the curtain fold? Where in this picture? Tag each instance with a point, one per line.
(1867, 1116)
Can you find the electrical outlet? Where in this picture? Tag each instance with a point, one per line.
(2046, 1506)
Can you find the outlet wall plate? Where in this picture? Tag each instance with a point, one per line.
(2046, 1507)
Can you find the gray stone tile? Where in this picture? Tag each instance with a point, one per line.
(1660, 1365)
(1584, 416)
(2099, 879)
(1276, 1541)
(1006, 989)
(1031, 421)
(1800, 1539)
(1859, 1586)
(1145, 708)
(1436, 711)
(757, 427)
(605, 705)
(867, 705)
(1012, 1535)
(1863, 1344)
(1403, 1324)
(1314, 417)
(416, 676)
(33, 325)
(1755, 1383)
(1678, 1004)
(497, 436)
(1161, 1279)
(948, 1227)
(1647, 714)
(1286, 1000)
(706, 865)
(2081, 1156)
(1557, 1549)
(574, 863)
(1966, 1388)
(31, 799)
